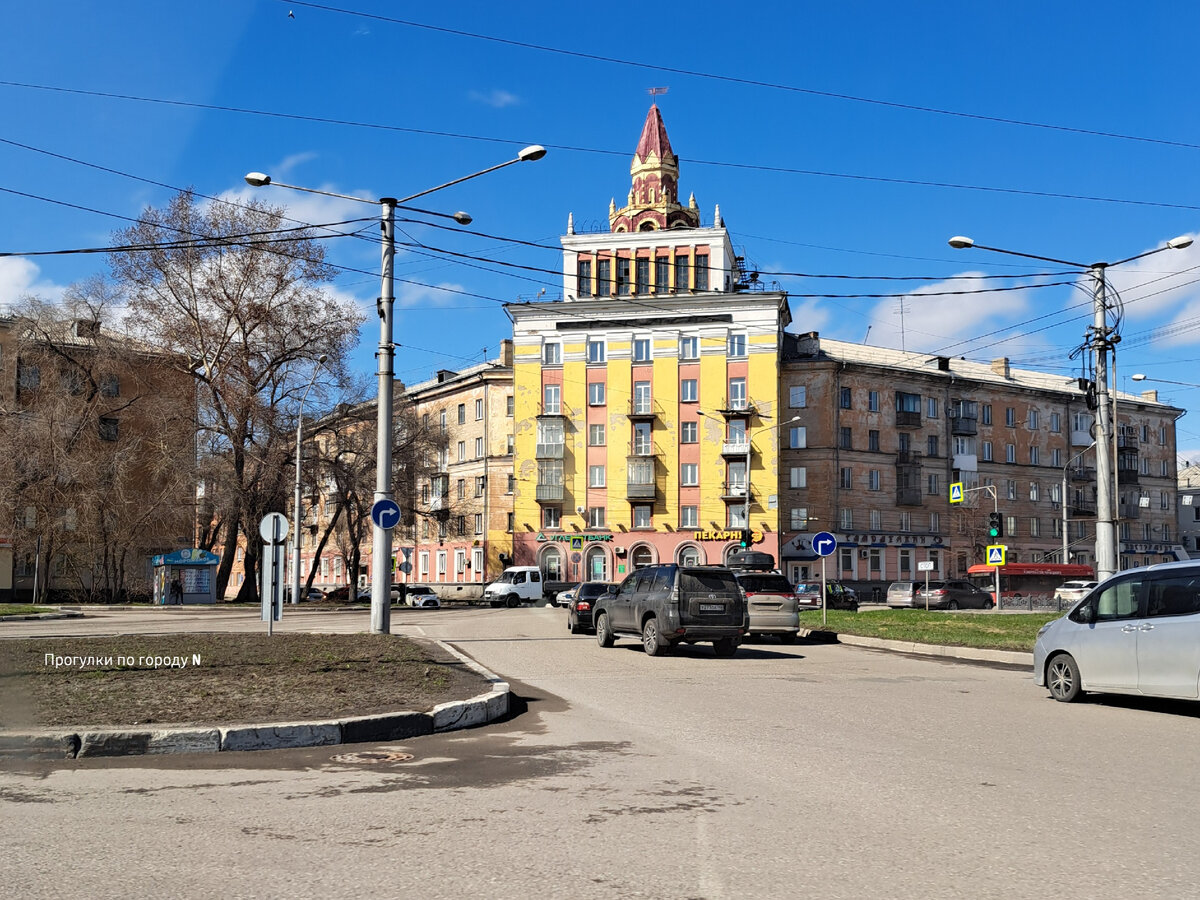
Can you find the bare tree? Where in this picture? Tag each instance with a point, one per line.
(235, 295)
(96, 449)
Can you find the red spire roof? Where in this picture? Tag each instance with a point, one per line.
(654, 136)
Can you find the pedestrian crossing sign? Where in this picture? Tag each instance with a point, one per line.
(995, 554)
(956, 492)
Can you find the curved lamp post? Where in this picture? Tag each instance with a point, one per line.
(1102, 339)
(381, 537)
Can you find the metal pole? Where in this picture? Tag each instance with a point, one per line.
(296, 513)
(1065, 518)
(746, 505)
(1106, 563)
(824, 605)
(381, 538)
(996, 509)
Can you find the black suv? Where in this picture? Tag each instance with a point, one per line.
(666, 605)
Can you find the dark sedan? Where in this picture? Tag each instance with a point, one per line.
(579, 612)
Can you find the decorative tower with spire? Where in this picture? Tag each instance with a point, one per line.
(654, 194)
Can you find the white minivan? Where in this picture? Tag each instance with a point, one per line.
(1137, 632)
(516, 585)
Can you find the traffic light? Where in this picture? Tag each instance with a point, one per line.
(746, 540)
(995, 525)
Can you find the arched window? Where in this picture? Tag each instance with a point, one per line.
(551, 564)
(596, 563)
(641, 556)
(690, 555)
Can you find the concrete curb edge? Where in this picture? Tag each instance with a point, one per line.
(83, 743)
(969, 654)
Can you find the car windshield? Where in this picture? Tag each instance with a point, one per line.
(805, 587)
(901, 586)
(765, 583)
(505, 578)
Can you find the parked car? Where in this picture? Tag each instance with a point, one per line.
(952, 595)
(901, 594)
(579, 611)
(1138, 632)
(564, 598)
(1071, 592)
(421, 595)
(771, 603)
(516, 585)
(344, 594)
(808, 595)
(840, 596)
(669, 604)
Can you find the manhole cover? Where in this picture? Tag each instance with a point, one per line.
(371, 757)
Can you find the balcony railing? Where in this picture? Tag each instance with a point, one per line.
(554, 410)
(1127, 476)
(738, 408)
(735, 448)
(642, 449)
(908, 458)
(549, 493)
(908, 496)
(643, 408)
(550, 451)
(734, 491)
(639, 490)
(961, 425)
(1076, 473)
(908, 419)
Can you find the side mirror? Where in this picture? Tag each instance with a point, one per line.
(1086, 614)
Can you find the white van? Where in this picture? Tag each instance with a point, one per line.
(516, 585)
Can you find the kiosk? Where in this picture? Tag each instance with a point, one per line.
(193, 570)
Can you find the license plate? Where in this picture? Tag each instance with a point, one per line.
(712, 607)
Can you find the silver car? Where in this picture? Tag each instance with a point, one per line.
(1136, 633)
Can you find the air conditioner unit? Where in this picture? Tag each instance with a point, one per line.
(864, 554)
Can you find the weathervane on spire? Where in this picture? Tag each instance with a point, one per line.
(654, 92)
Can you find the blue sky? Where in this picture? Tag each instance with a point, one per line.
(759, 110)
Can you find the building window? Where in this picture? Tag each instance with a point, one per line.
(642, 274)
(737, 345)
(845, 441)
(689, 475)
(1010, 453)
(1055, 423)
(479, 523)
(799, 477)
(596, 476)
(681, 272)
(987, 451)
(512, 483)
(583, 274)
(595, 351)
(1056, 458)
(510, 405)
(1011, 527)
(873, 480)
(844, 398)
(641, 350)
(29, 378)
(662, 274)
(462, 414)
(512, 445)
(623, 277)
(931, 407)
(689, 348)
(1035, 527)
(1035, 456)
(596, 517)
(931, 445)
(1010, 490)
(689, 433)
(687, 390)
(846, 478)
(689, 516)
(1010, 417)
(873, 401)
(109, 428)
(737, 393)
(1031, 420)
(797, 437)
(595, 435)
(604, 278)
(873, 440)
(641, 516)
(797, 396)
(846, 519)
(935, 485)
(701, 272)
(462, 488)
(442, 420)
(480, 485)
(799, 518)
(987, 414)
(508, 526)
(479, 448)
(479, 410)
(552, 399)
(110, 386)
(935, 523)
(596, 393)
(462, 451)
(875, 520)
(552, 517)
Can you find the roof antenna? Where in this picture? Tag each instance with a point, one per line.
(655, 91)
(867, 335)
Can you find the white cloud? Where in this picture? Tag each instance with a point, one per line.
(411, 295)
(496, 98)
(20, 277)
(1165, 284)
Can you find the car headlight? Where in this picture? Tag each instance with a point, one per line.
(1044, 629)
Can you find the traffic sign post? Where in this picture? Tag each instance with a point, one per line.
(385, 515)
(273, 529)
(824, 544)
(926, 566)
(996, 555)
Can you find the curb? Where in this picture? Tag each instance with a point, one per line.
(967, 654)
(451, 716)
(61, 614)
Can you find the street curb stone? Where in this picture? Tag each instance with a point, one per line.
(972, 654)
(477, 710)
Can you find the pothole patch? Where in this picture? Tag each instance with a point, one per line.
(371, 756)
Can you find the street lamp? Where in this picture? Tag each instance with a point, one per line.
(381, 537)
(1140, 377)
(1102, 338)
(296, 500)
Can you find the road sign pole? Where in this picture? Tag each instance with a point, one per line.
(926, 590)
(824, 605)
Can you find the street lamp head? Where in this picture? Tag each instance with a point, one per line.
(257, 179)
(958, 242)
(462, 218)
(1180, 243)
(322, 359)
(532, 153)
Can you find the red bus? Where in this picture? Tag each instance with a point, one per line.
(1028, 583)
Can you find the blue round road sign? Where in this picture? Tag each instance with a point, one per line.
(385, 513)
(824, 543)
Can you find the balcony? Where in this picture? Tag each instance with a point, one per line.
(643, 449)
(549, 493)
(637, 490)
(640, 483)
(554, 411)
(907, 458)
(908, 496)
(1079, 473)
(738, 409)
(734, 492)
(1081, 508)
(961, 425)
(908, 418)
(643, 409)
(550, 451)
(737, 449)
(1129, 510)
(1127, 475)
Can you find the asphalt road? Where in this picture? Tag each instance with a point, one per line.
(811, 770)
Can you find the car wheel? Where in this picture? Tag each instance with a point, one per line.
(725, 647)
(650, 638)
(604, 635)
(512, 601)
(788, 638)
(953, 604)
(1062, 678)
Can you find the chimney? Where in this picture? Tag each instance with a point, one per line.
(809, 344)
(1000, 367)
(506, 352)
(943, 363)
(1152, 396)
